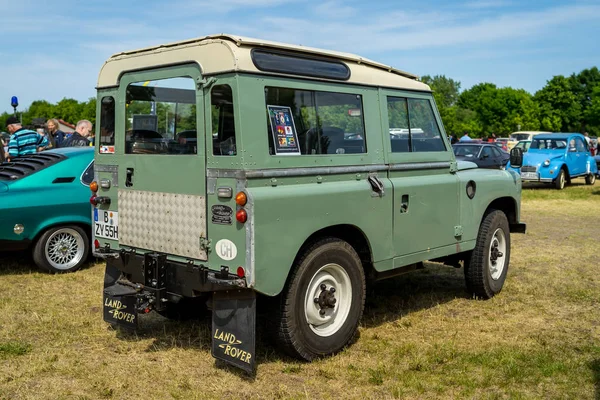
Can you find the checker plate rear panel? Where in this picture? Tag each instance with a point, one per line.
(164, 222)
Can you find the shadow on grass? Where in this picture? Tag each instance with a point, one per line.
(21, 263)
(391, 299)
(387, 300)
(17, 263)
(595, 367)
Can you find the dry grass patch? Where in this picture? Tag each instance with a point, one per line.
(421, 336)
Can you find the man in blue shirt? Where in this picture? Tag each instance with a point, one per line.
(23, 141)
(465, 138)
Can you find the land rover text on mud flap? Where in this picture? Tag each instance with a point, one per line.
(229, 167)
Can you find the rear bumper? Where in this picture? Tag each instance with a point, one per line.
(155, 272)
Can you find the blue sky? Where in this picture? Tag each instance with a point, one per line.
(52, 50)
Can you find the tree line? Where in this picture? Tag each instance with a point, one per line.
(564, 104)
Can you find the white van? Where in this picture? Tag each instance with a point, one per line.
(516, 137)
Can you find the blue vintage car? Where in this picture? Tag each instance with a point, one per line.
(557, 158)
(44, 206)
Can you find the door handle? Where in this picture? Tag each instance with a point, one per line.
(129, 177)
(404, 204)
(376, 185)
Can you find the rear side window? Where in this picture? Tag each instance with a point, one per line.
(107, 125)
(223, 122)
(160, 117)
(412, 125)
(307, 122)
(88, 175)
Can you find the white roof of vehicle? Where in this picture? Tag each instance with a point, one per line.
(225, 53)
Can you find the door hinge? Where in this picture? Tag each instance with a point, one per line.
(205, 244)
(458, 231)
(206, 83)
(453, 166)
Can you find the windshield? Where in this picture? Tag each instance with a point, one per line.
(520, 136)
(467, 151)
(548, 144)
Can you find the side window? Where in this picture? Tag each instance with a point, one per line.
(486, 152)
(88, 175)
(398, 124)
(580, 145)
(496, 152)
(310, 122)
(424, 130)
(223, 123)
(160, 117)
(107, 124)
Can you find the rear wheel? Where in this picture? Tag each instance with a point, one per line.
(323, 302)
(61, 249)
(590, 179)
(560, 180)
(486, 268)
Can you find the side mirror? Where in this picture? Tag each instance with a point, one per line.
(516, 157)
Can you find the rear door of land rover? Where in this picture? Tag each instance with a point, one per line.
(159, 156)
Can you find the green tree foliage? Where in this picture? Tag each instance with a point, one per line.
(560, 109)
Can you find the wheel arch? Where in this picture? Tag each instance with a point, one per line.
(86, 226)
(508, 205)
(351, 234)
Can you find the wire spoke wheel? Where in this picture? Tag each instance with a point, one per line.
(64, 249)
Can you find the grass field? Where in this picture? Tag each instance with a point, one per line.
(421, 337)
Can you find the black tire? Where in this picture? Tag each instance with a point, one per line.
(62, 249)
(485, 279)
(590, 179)
(332, 262)
(560, 180)
(188, 308)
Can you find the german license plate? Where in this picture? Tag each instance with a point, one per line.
(529, 175)
(106, 224)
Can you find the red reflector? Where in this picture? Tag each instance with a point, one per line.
(240, 272)
(96, 243)
(93, 200)
(241, 216)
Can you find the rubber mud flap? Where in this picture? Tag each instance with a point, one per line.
(119, 303)
(234, 328)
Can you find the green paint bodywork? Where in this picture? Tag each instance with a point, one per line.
(37, 203)
(285, 211)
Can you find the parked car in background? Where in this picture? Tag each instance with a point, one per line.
(524, 145)
(597, 160)
(482, 154)
(501, 144)
(558, 158)
(44, 203)
(516, 137)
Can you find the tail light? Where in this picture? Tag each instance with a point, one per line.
(96, 244)
(93, 200)
(94, 186)
(240, 272)
(241, 215)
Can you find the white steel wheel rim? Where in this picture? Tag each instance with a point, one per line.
(333, 318)
(64, 248)
(561, 181)
(497, 254)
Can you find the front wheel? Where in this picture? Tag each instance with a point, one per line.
(560, 180)
(323, 301)
(62, 249)
(590, 179)
(486, 268)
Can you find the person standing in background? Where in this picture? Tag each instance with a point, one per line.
(80, 136)
(23, 141)
(55, 135)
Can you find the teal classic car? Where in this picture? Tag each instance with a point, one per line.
(44, 206)
(557, 158)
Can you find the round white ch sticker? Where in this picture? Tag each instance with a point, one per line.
(226, 249)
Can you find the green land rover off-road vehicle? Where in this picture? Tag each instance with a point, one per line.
(228, 167)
